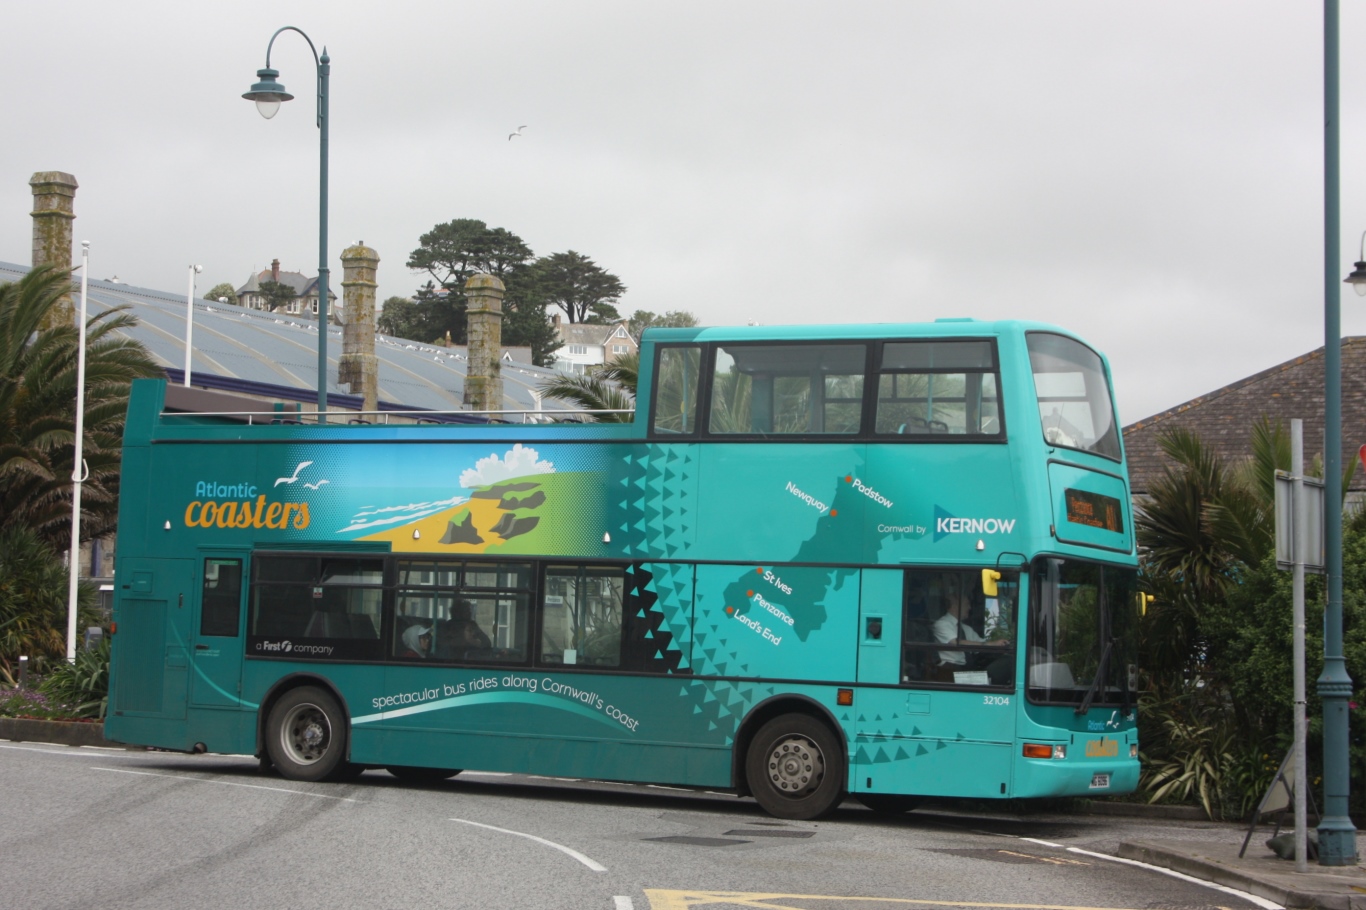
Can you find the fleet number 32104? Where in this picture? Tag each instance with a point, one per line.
(995, 699)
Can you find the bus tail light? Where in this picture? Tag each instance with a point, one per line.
(1044, 750)
(1133, 750)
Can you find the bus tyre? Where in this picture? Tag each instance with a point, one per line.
(306, 735)
(414, 775)
(795, 767)
(889, 803)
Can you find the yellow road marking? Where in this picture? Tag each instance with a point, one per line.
(686, 900)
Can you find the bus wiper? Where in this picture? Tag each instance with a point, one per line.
(1095, 683)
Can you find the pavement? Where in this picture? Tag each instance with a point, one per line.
(1212, 856)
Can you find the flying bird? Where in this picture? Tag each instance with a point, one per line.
(314, 486)
(302, 465)
(516, 133)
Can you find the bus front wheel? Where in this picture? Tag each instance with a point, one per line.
(795, 767)
(306, 735)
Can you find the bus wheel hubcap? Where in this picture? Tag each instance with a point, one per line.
(306, 734)
(795, 766)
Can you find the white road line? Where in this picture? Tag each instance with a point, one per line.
(591, 864)
(1252, 898)
(622, 903)
(1035, 840)
(228, 783)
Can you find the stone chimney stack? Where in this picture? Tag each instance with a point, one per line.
(484, 311)
(358, 365)
(275, 270)
(54, 194)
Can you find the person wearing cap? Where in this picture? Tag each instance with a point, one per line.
(417, 639)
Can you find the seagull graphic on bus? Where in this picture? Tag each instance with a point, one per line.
(294, 476)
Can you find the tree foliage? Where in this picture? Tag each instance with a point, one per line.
(278, 295)
(1216, 641)
(33, 600)
(674, 319)
(608, 388)
(580, 287)
(220, 291)
(451, 254)
(37, 410)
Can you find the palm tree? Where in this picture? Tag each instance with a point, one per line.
(37, 409)
(611, 387)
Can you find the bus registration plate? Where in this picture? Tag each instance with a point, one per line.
(1100, 781)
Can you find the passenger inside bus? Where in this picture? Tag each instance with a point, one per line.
(459, 639)
(417, 641)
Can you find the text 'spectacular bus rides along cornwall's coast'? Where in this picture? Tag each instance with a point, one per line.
(890, 561)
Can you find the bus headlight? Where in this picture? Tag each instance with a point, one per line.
(1133, 750)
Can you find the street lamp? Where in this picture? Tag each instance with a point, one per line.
(1337, 834)
(268, 94)
(78, 469)
(1358, 277)
(189, 321)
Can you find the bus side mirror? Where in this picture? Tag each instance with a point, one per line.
(989, 579)
(1143, 601)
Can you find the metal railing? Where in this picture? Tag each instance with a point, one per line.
(406, 417)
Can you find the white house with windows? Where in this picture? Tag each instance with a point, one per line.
(304, 305)
(586, 345)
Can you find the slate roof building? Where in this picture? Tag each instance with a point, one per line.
(304, 304)
(1224, 418)
(587, 345)
(275, 355)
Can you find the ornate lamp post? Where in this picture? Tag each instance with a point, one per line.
(268, 95)
(1337, 835)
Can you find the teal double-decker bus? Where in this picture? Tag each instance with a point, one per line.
(886, 561)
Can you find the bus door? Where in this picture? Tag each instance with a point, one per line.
(217, 649)
(151, 642)
(936, 715)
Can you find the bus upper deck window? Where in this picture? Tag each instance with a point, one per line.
(1074, 395)
(787, 389)
(941, 387)
(675, 390)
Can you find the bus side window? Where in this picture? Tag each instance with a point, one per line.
(220, 603)
(675, 390)
(929, 388)
(953, 633)
(582, 616)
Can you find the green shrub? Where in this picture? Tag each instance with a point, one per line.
(83, 685)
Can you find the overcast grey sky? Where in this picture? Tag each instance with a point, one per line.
(1146, 174)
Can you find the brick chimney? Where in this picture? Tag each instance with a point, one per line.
(54, 194)
(275, 270)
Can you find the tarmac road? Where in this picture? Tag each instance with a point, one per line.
(86, 827)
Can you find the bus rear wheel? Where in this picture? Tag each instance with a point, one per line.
(414, 775)
(795, 768)
(306, 735)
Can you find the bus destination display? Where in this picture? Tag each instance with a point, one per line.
(1094, 510)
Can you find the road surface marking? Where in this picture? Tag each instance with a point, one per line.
(687, 900)
(1251, 898)
(568, 851)
(228, 783)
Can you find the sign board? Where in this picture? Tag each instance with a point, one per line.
(1313, 556)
